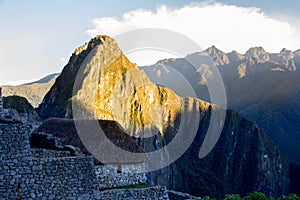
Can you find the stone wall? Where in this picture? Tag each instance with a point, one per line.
(1, 100)
(16, 160)
(46, 153)
(39, 175)
(41, 178)
(157, 193)
(109, 177)
(64, 178)
(174, 195)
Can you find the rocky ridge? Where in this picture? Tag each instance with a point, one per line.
(262, 86)
(34, 92)
(112, 88)
(256, 55)
(18, 109)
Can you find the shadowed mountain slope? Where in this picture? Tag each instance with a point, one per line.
(99, 82)
(263, 87)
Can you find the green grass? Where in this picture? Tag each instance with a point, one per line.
(136, 186)
(255, 196)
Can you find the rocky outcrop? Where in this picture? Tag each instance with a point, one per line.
(285, 58)
(262, 86)
(18, 108)
(219, 57)
(258, 54)
(234, 56)
(110, 87)
(113, 89)
(34, 92)
(57, 105)
(244, 159)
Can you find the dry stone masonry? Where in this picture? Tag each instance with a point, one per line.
(51, 174)
(1, 100)
(174, 195)
(46, 153)
(65, 178)
(41, 178)
(109, 176)
(159, 193)
(38, 173)
(16, 161)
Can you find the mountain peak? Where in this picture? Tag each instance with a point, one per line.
(258, 53)
(218, 56)
(297, 52)
(213, 49)
(256, 50)
(234, 56)
(284, 51)
(99, 39)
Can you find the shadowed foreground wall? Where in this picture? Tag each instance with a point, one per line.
(41, 178)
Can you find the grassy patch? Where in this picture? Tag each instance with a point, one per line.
(136, 186)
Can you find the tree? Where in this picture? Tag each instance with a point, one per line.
(256, 196)
(290, 197)
(233, 197)
(207, 198)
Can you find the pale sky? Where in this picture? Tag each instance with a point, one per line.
(37, 37)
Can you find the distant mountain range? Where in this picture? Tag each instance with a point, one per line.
(263, 87)
(34, 92)
(110, 87)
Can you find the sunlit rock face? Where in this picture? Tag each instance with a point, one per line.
(125, 94)
(115, 89)
(258, 54)
(106, 85)
(100, 82)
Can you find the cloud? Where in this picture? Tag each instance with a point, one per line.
(228, 27)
